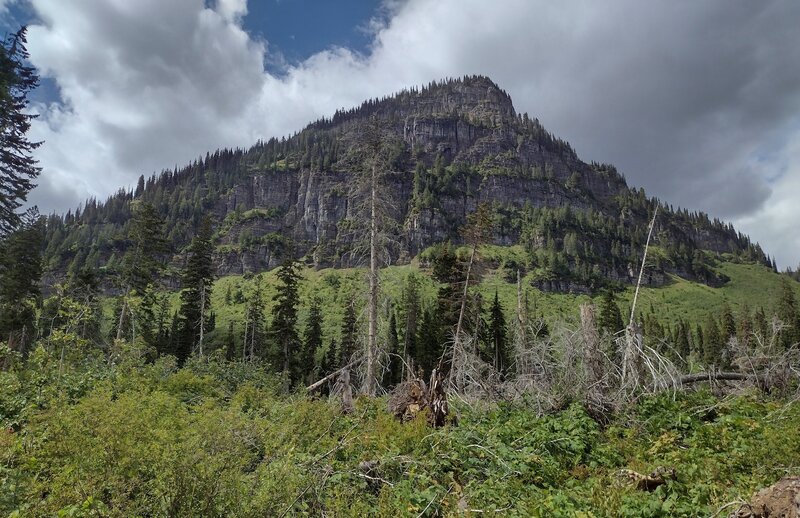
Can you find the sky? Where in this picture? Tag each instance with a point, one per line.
(697, 102)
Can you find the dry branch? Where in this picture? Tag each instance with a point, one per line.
(317, 384)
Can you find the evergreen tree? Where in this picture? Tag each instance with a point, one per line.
(744, 329)
(712, 342)
(682, 345)
(501, 357)
(198, 278)
(17, 166)
(394, 373)
(283, 331)
(447, 270)
(312, 338)
(728, 324)
(610, 318)
(20, 273)
(786, 311)
(145, 258)
(410, 306)
(230, 348)
(255, 335)
(761, 325)
(699, 342)
(430, 342)
(348, 342)
(330, 360)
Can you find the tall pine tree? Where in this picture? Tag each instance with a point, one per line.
(283, 331)
(501, 354)
(348, 342)
(17, 166)
(195, 316)
(20, 273)
(312, 338)
(787, 313)
(610, 318)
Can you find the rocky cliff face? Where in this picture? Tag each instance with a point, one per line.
(440, 151)
(484, 152)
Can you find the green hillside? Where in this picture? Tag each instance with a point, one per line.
(750, 286)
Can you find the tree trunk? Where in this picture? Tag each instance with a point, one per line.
(464, 294)
(373, 288)
(521, 313)
(121, 316)
(641, 270)
(244, 343)
(202, 317)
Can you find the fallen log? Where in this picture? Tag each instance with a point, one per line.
(712, 376)
(317, 384)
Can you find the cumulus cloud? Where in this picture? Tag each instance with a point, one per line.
(145, 85)
(695, 101)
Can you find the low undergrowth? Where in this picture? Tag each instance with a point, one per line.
(218, 439)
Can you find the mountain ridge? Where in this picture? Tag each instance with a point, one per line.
(457, 143)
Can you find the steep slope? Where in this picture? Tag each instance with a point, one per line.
(446, 147)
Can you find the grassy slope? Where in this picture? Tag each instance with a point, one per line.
(751, 285)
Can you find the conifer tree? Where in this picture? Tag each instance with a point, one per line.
(761, 325)
(20, 273)
(144, 260)
(230, 349)
(348, 342)
(254, 340)
(787, 313)
(410, 306)
(330, 360)
(712, 342)
(195, 314)
(610, 318)
(141, 267)
(430, 342)
(682, 344)
(17, 166)
(283, 330)
(744, 329)
(699, 342)
(728, 324)
(501, 357)
(394, 373)
(312, 338)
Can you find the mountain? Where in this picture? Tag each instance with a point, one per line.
(445, 148)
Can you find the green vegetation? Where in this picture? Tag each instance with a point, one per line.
(85, 437)
(751, 287)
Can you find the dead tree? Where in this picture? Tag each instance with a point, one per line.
(475, 232)
(631, 358)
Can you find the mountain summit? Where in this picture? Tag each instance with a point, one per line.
(444, 148)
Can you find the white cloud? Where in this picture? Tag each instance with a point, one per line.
(683, 97)
(776, 222)
(232, 10)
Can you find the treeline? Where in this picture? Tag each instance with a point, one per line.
(416, 329)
